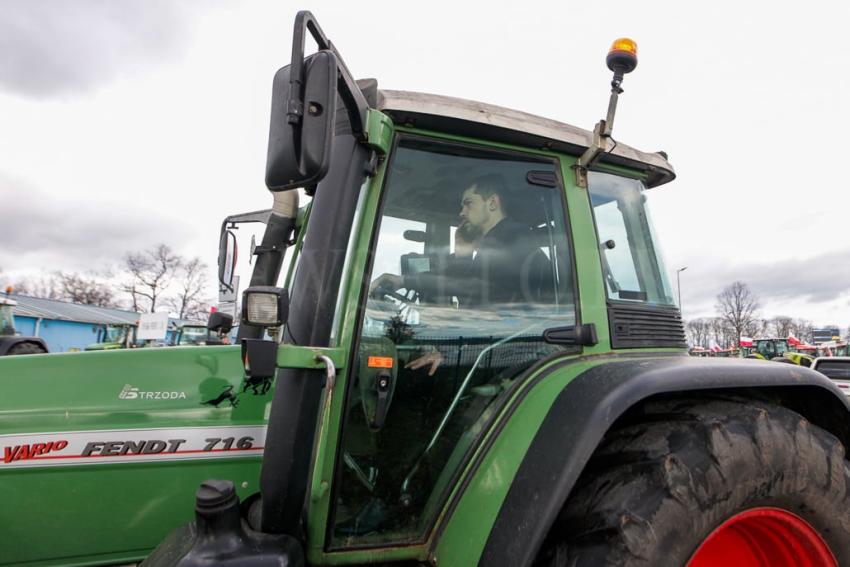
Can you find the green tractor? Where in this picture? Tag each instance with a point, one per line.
(477, 360)
(778, 350)
(11, 342)
(114, 336)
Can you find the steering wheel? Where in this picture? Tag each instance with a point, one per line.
(381, 293)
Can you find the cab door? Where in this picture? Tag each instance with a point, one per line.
(471, 263)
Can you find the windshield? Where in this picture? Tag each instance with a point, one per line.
(115, 334)
(631, 261)
(771, 348)
(193, 335)
(7, 321)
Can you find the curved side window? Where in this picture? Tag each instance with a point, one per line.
(471, 264)
(631, 262)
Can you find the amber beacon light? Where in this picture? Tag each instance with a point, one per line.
(622, 57)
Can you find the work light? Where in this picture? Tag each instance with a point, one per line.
(265, 306)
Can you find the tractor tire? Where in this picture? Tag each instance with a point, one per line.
(25, 348)
(708, 482)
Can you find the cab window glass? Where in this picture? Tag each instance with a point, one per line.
(631, 263)
(471, 265)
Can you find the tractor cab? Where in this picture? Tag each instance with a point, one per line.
(214, 332)
(114, 336)
(769, 348)
(192, 334)
(7, 319)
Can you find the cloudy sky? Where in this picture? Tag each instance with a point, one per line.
(125, 124)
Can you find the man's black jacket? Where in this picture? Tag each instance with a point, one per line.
(508, 267)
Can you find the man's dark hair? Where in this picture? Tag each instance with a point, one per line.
(488, 185)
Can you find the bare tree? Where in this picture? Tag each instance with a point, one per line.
(46, 287)
(736, 306)
(69, 286)
(781, 326)
(699, 332)
(150, 274)
(134, 296)
(802, 329)
(191, 301)
(86, 290)
(721, 332)
(757, 327)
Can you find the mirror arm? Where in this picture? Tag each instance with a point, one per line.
(347, 87)
(255, 216)
(232, 221)
(258, 250)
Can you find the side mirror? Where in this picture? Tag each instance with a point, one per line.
(220, 323)
(302, 123)
(227, 256)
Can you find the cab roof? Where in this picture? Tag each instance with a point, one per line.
(477, 119)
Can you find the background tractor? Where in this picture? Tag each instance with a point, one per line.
(11, 342)
(114, 336)
(778, 350)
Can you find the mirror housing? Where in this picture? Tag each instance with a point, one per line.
(227, 256)
(220, 322)
(302, 124)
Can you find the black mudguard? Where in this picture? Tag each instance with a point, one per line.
(589, 405)
(6, 343)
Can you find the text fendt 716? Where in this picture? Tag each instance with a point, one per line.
(476, 360)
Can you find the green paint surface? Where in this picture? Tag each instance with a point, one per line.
(292, 356)
(593, 306)
(87, 513)
(466, 531)
(379, 131)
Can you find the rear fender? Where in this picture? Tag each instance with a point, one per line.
(588, 406)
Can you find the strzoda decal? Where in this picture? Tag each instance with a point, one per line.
(132, 393)
(130, 446)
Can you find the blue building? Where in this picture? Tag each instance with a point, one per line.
(66, 326)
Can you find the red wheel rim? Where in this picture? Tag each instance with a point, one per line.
(764, 537)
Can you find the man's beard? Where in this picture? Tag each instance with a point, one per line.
(469, 232)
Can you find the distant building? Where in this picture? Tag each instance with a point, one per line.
(825, 335)
(63, 325)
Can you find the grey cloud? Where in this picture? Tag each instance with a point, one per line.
(818, 279)
(55, 48)
(63, 234)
